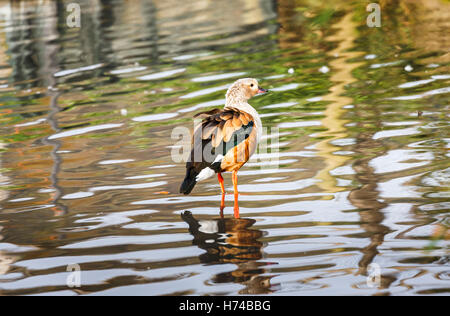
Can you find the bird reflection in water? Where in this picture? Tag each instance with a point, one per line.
(232, 240)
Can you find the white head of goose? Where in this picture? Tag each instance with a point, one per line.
(225, 139)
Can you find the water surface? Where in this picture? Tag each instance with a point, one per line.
(360, 179)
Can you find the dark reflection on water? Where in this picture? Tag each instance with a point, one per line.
(87, 176)
(232, 240)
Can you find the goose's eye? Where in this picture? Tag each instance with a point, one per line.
(251, 85)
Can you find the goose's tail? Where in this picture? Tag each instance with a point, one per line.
(189, 181)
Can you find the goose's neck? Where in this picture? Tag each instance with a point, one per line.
(240, 104)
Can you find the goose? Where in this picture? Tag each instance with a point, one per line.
(225, 139)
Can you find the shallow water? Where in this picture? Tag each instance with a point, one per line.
(359, 182)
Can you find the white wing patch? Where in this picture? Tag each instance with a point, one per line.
(205, 174)
(208, 227)
(218, 158)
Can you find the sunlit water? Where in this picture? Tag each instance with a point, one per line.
(361, 183)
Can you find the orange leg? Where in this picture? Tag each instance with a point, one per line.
(222, 189)
(222, 205)
(236, 193)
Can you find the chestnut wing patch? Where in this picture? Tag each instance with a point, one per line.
(222, 141)
(221, 131)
